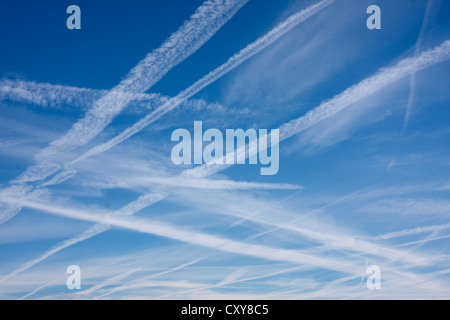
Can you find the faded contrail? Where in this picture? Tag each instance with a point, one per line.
(86, 235)
(60, 97)
(48, 95)
(430, 14)
(137, 282)
(108, 282)
(37, 289)
(408, 232)
(134, 283)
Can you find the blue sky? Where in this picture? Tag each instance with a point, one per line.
(87, 179)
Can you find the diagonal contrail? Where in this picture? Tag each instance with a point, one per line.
(430, 14)
(60, 97)
(86, 235)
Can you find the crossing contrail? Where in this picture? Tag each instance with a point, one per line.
(430, 14)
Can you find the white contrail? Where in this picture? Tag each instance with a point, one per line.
(423, 241)
(86, 235)
(201, 239)
(57, 96)
(211, 184)
(48, 95)
(137, 283)
(430, 14)
(108, 282)
(38, 289)
(238, 280)
(200, 27)
(408, 232)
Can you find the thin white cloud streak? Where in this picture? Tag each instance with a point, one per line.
(60, 97)
(214, 75)
(140, 282)
(107, 282)
(217, 184)
(423, 241)
(142, 202)
(430, 15)
(133, 182)
(38, 289)
(307, 213)
(200, 239)
(86, 235)
(48, 95)
(234, 281)
(409, 232)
